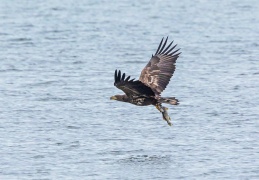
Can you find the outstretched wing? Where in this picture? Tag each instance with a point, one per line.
(160, 68)
(131, 87)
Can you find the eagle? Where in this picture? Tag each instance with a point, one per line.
(152, 81)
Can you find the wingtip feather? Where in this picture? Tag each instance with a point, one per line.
(161, 49)
(123, 77)
(159, 46)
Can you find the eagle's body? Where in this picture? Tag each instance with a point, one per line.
(153, 80)
(138, 100)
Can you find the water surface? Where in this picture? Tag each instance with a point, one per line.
(57, 61)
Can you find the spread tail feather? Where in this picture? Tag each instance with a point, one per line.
(169, 100)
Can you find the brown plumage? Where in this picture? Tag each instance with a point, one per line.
(160, 68)
(153, 80)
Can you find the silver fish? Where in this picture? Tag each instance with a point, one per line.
(166, 117)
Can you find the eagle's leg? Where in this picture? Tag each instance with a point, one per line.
(165, 115)
(159, 107)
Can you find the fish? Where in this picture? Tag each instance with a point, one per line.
(165, 115)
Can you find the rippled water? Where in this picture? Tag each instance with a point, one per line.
(57, 60)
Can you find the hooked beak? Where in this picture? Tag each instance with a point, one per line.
(113, 98)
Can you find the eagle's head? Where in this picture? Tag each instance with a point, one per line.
(123, 98)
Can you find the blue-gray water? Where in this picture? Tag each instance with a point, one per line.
(57, 60)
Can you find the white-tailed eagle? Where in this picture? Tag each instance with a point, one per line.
(153, 80)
